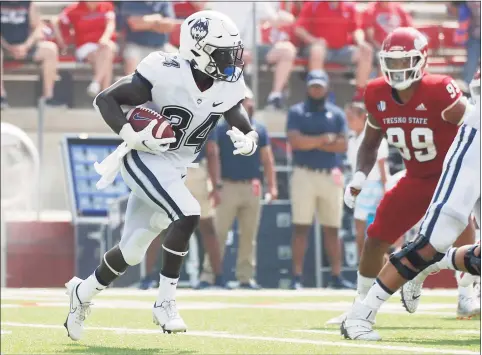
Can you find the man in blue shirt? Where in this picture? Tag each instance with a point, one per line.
(240, 196)
(204, 184)
(317, 131)
(148, 24)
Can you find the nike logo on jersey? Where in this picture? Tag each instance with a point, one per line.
(138, 117)
(420, 107)
(183, 176)
(416, 297)
(217, 103)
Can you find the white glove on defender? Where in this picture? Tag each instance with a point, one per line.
(144, 140)
(245, 144)
(354, 188)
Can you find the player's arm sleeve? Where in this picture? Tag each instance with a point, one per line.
(149, 68)
(453, 104)
(131, 90)
(238, 117)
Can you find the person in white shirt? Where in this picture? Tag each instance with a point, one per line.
(281, 55)
(367, 201)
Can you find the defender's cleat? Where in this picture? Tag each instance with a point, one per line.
(167, 317)
(410, 295)
(359, 322)
(78, 310)
(467, 308)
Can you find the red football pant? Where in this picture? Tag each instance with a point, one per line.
(401, 208)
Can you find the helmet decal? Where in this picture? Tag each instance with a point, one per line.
(200, 29)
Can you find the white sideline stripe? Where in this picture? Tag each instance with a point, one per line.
(219, 335)
(467, 331)
(222, 293)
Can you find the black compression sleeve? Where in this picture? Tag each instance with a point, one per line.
(131, 90)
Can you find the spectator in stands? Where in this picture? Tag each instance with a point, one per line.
(331, 33)
(204, 184)
(382, 17)
(184, 9)
(468, 34)
(241, 195)
(282, 55)
(316, 131)
(367, 201)
(148, 25)
(21, 40)
(94, 27)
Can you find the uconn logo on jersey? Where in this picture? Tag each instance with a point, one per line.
(200, 29)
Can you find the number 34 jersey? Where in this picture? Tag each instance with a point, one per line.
(192, 113)
(416, 128)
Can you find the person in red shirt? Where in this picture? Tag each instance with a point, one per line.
(94, 27)
(381, 18)
(331, 33)
(184, 9)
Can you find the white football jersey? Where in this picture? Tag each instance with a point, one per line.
(192, 113)
(473, 117)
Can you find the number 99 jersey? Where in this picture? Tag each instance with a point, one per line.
(191, 112)
(417, 128)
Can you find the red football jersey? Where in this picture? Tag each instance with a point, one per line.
(416, 128)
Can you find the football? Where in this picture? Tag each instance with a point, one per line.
(140, 117)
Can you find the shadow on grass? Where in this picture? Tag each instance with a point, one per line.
(79, 349)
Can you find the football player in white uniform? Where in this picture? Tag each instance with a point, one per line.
(469, 296)
(193, 89)
(457, 194)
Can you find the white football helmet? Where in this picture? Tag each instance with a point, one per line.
(211, 41)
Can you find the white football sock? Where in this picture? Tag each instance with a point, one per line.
(363, 285)
(376, 296)
(274, 95)
(89, 288)
(446, 261)
(167, 288)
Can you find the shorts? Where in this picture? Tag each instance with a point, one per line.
(199, 185)
(28, 58)
(160, 185)
(343, 56)
(316, 192)
(402, 207)
(82, 52)
(367, 201)
(139, 52)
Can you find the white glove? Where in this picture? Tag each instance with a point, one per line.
(144, 140)
(245, 144)
(354, 188)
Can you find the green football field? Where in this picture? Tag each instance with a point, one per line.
(231, 322)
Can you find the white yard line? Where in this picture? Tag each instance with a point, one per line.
(221, 293)
(219, 335)
(391, 308)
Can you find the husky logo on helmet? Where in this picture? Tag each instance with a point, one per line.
(200, 29)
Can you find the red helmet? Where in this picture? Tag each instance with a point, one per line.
(403, 57)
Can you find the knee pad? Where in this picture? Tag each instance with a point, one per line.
(472, 262)
(410, 252)
(134, 247)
